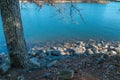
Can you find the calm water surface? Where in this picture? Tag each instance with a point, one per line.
(46, 23)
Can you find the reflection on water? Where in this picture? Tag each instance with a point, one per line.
(47, 23)
(102, 22)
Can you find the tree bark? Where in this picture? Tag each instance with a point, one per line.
(13, 30)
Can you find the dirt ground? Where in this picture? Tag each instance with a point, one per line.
(91, 67)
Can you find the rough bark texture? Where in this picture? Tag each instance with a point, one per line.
(12, 24)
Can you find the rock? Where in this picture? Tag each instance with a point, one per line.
(53, 63)
(80, 50)
(100, 60)
(20, 78)
(117, 50)
(55, 48)
(89, 51)
(3, 56)
(42, 55)
(102, 43)
(106, 46)
(92, 41)
(47, 75)
(112, 52)
(43, 62)
(5, 63)
(94, 48)
(105, 50)
(66, 74)
(118, 45)
(35, 61)
(99, 45)
(7, 76)
(63, 53)
(70, 51)
(54, 53)
(36, 53)
(81, 43)
(111, 47)
(33, 54)
(67, 45)
(4, 67)
(33, 49)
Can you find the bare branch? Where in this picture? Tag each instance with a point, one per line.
(73, 7)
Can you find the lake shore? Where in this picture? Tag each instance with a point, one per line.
(77, 57)
(74, 1)
(78, 46)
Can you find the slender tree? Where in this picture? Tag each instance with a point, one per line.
(13, 30)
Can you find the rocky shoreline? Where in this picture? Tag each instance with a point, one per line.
(57, 58)
(76, 47)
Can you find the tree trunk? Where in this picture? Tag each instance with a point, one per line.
(12, 24)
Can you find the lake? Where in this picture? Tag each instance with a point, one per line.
(99, 22)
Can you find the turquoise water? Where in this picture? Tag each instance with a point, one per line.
(102, 22)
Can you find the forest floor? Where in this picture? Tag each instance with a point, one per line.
(82, 67)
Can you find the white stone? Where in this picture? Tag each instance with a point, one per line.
(113, 52)
(90, 51)
(63, 53)
(117, 50)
